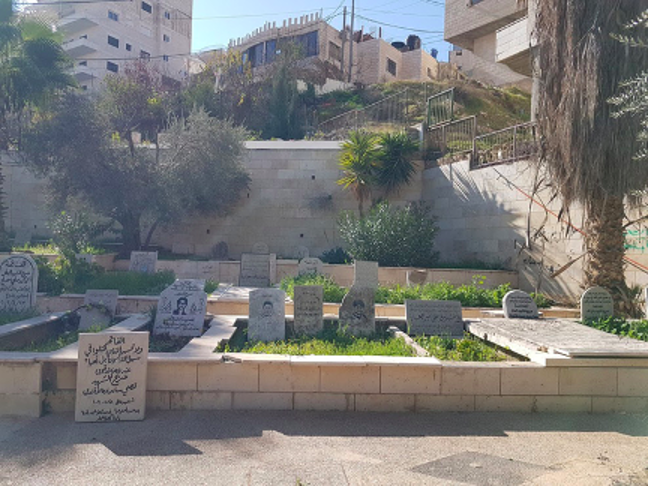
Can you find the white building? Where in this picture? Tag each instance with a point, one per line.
(102, 36)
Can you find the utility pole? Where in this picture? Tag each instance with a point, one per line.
(343, 41)
(352, 40)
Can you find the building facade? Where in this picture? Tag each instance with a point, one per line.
(102, 37)
(492, 39)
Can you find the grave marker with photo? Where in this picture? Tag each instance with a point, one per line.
(181, 309)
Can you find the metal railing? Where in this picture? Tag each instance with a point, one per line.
(379, 116)
(440, 108)
(450, 139)
(507, 145)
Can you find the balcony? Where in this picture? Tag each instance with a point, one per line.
(512, 46)
(83, 74)
(79, 47)
(71, 24)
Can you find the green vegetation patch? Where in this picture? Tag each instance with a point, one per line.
(467, 349)
(622, 327)
(11, 317)
(130, 283)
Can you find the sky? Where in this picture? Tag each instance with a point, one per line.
(216, 22)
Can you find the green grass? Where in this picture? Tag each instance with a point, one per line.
(332, 291)
(211, 286)
(11, 317)
(52, 249)
(130, 283)
(466, 349)
(54, 344)
(622, 327)
(328, 343)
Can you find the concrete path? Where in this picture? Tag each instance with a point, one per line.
(302, 448)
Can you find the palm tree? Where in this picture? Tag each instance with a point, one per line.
(588, 152)
(396, 167)
(358, 161)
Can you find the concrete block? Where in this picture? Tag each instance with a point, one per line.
(410, 379)
(172, 376)
(66, 376)
(473, 380)
(262, 401)
(191, 400)
(59, 401)
(619, 405)
(503, 404)
(342, 402)
(236, 377)
(20, 404)
(588, 381)
(563, 404)
(445, 403)
(529, 381)
(158, 400)
(633, 382)
(349, 379)
(287, 378)
(384, 403)
(20, 378)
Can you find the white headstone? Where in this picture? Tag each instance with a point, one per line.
(98, 308)
(260, 248)
(302, 252)
(596, 303)
(255, 270)
(365, 274)
(181, 309)
(358, 311)
(111, 377)
(309, 311)
(267, 320)
(18, 283)
(310, 266)
(519, 305)
(143, 261)
(434, 317)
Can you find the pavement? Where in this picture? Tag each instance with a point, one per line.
(328, 448)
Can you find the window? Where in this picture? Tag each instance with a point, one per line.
(166, 38)
(391, 67)
(167, 15)
(147, 7)
(112, 67)
(309, 43)
(129, 47)
(270, 51)
(113, 15)
(113, 41)
(165, 58)
(84, 87)
(145, 55)
(255, 55)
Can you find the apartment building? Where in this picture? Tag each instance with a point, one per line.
(102, 36)
(329, 50)
(492, 39)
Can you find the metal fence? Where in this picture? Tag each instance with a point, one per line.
(383, 115)
(450, 139)
(440, 108)
(507, 145)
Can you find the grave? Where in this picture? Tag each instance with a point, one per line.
(365, 274)
(111, 377)
(309, 266)
(260, 249)
(358, 311)
(434, 317)
(255, 270)
(98, 308)
(18, 283)
(267, 318)
(416, 277)
(143, 261)
(519, 305)
(181, 309)
(596, 303)
(309, 313)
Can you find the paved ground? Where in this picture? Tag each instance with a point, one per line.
(300, 448)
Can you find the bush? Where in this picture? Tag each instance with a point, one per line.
(621, 327)
(394, 237)
(336, 256)
(131, 283)
(332, 291)
(65, 275)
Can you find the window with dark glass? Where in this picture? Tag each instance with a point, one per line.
(147, 7)
(270, 51)
(166, 38)
(112, 67)
(129, 47)
(145, 55)
(391, 67)
(113, 41)
(113, 15)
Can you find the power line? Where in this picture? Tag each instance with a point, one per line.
(399, 26)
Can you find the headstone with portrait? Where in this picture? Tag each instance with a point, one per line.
(358, 311)
(267, 318)
(181, 309)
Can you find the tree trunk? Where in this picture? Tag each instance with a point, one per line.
(131, 236)
(605, 246)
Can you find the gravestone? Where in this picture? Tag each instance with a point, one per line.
(255, 270)
(111, 377)
(181, 309)
(260, 249)
(18, 283)
(98, 308)
(273, 268)
(143, 261)
(434, 317)
(519, 305)
(416, 277)
(309, 313)
(365, 274)
(310, 266)
(596, 303)
(358, 311)
(267, 318)
(302, 252)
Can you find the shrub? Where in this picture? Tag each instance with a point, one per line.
(392, 236)
(332, 291)
(65, 274)
(336, 256)
(131, 283)
(622, 327)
